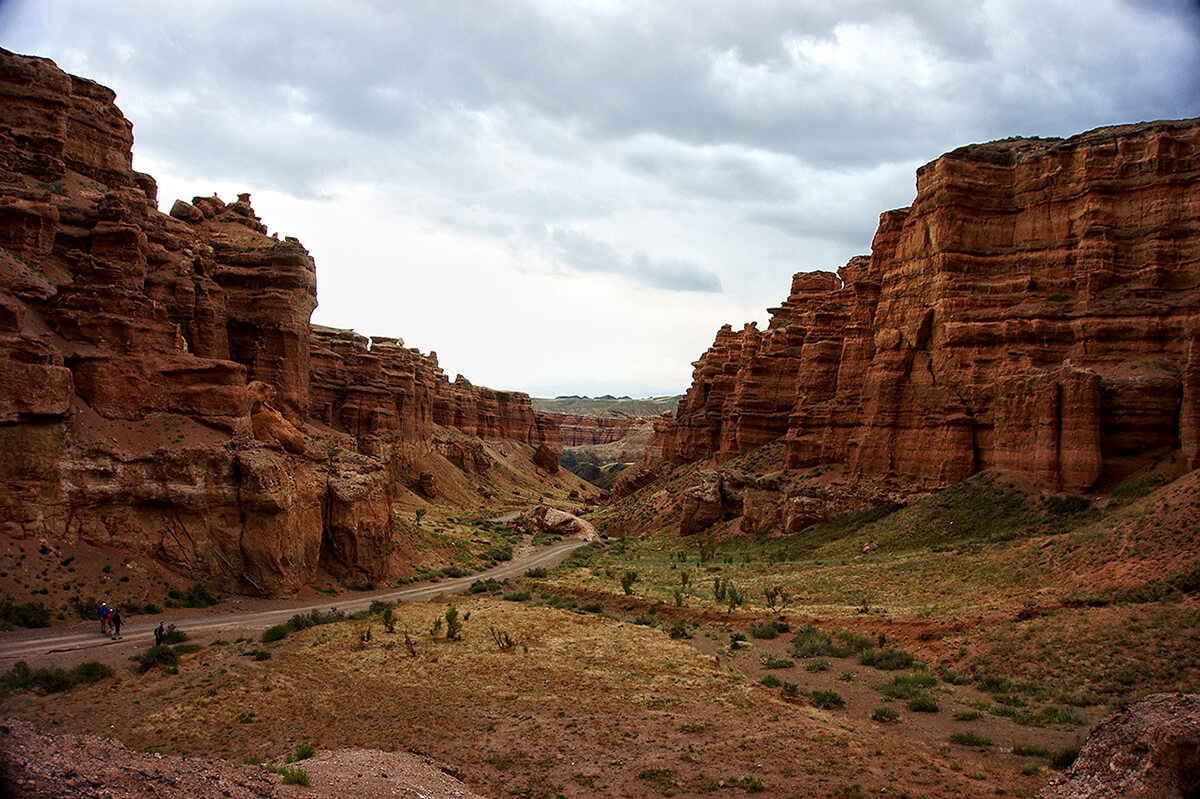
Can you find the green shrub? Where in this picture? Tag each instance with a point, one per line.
(679, 630)
(771, 681)
(173, 635)
(453, 625)
(539, 573)
(627, 581)
(294, 776)
(489, 586)
(53, 679)
(195, 597)
(517, 596)
(967, 715)
(923, 703)
(768, 629)
(156, 656)
(592, 607)
(26, 614)
(969, 739)
(774, 662)
(886, 659)
(906, 686)
(827, 700)
(1029, 769)
(810, 642)
(302, 621)
(816, 666)
(885, 715)
(276, 633)
(303, 752)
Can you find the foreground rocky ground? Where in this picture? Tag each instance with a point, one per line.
(33, 764)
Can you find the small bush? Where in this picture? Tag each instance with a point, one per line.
(768, 629)
(827, 700)
(679, 630)
(906, 686)
(886, 659)
(276, 633)
(302, 621)
(488, 586)
(923, 704)
(816, 666)
(1029, 769)
(885, 715)
(789, 690)
(303, 752)
(453, 625)
(969, 739)
(627, 581)
(156, 656)
(773, 662)
(592, 607)
(294, 776)
(771, 681)
(172, 635)
(260, 654)
(195, 597)
(517, 596)
(538, 573)
(967, 715)
(26, 614)
(52, 680)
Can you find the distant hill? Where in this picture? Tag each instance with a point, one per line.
(608, 405)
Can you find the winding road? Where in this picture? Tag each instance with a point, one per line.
(59, 644)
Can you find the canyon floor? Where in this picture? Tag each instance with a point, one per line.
(962, 645)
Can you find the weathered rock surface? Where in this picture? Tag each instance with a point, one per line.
(578, 430)
(542, 519)
(161, 387)
(1034, 312)
(1150, 750)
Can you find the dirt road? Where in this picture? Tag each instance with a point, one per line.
(67, 646)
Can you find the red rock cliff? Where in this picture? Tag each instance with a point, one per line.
(579, 430)
(161, 389)
(1036, 311)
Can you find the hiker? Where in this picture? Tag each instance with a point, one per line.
(104, 618)
(114, 619)
(159, 633)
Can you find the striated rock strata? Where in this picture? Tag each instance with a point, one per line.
(161, 388)
(1036, 312)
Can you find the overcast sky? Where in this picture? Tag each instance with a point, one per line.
(570, 197)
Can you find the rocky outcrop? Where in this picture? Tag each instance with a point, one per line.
(578, 430)
(1150, 750)
(1034, 312)
(161, 387)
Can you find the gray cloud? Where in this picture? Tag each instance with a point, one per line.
(746, 139)
(580, 252)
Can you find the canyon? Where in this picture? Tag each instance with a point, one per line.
(164, 395)
(1035, 313)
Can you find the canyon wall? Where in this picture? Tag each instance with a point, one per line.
(161, 388)
(578, 430)
(1035, 312)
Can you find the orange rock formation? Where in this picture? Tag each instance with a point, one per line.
(1036, 312)
(161, 388)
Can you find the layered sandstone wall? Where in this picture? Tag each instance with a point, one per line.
(578, 430)
(1035, 312)
(161, 388)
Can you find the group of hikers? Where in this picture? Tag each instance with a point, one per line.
(110, 621)
(110, 624)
